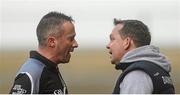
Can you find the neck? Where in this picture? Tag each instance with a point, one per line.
(47, 54)
(132, 46)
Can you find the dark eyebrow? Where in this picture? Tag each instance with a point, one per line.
(72, 35)
(110, 36)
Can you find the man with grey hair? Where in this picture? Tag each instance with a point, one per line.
(144, 69)
(40, 73)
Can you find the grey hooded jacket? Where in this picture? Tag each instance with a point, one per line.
(137, 81)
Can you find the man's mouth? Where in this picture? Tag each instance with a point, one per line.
(110, 52)
(71, 50)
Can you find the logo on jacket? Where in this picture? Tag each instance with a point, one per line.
(156, 74)
(167, 80)
(58, 91)
(18, 90)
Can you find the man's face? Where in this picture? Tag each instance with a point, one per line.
(65, 43)
(115, 46)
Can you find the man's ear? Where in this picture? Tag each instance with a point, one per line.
(51, 42)
(127, 43)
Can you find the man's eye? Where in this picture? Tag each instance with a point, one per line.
(111, 39)
(71, 39)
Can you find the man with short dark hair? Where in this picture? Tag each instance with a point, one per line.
(40, 73)
(144, 69)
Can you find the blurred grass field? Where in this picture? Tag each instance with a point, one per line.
(89, 71)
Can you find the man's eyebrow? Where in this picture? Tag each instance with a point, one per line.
(110, 36)
(72, 35)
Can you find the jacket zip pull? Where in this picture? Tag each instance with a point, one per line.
(64, 89)
(63, 82)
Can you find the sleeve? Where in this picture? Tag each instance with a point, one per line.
(136, 82)
(22, 85)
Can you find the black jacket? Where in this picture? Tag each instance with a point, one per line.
(162, 83)
(38, 76)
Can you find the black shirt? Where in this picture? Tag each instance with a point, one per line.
(38, 75)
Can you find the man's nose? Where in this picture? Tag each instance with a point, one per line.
(107, 46)
(75, 45)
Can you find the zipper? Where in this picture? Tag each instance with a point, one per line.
(62, 81)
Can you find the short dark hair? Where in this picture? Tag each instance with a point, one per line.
(136, 30)
(48, 25)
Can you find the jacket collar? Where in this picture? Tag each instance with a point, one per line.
(47, 62)
(122, 66)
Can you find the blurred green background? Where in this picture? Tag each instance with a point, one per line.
(89, 71)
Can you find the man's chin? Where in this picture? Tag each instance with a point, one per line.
(114, 62)
(65, 61)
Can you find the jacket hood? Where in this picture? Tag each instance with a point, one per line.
(147, 53)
